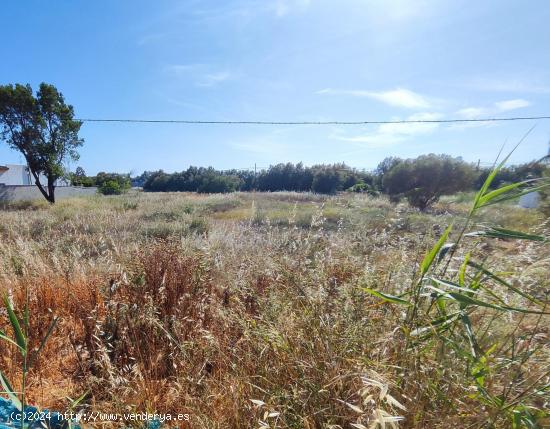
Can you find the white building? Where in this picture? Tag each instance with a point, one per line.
(532, 199)
(20, 175)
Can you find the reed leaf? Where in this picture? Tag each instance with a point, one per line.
(388, 298)
(430, 256)
(483, 190)
(514, 195)
(18, 333)
(467, 323)
(43, 342)
(462, 270)
(8, 390)
(468, 300)
(4, 337)
(495, 232)
(505, 283)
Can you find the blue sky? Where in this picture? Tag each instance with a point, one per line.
(285, 60)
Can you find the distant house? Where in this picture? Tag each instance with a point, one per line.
(20, 175)
(532, 199)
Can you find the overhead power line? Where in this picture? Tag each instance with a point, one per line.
(406, 121)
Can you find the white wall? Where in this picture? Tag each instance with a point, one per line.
(31, 192)
(20, 175)
(15, 175)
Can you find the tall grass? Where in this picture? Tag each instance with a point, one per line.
(281, 310)
(456, 310)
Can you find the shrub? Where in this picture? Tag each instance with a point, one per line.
(111, 187)
(112, 183)
(422, 181)
(363, 188)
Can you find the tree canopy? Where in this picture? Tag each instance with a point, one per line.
(422, 181)
(42, 128)
(327, 179)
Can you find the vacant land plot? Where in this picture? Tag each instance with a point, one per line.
(248, 310)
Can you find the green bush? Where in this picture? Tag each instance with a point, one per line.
(363, 188)
(422, 181)
(110, 187)
(112, 183)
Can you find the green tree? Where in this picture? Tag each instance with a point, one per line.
(214, 184)
(384, 167)
(80, 173)
(42, 128)
(112, 183)
(79, 178)
(422, 181)
(326, 180)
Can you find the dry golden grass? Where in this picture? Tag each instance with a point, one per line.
(245, 310)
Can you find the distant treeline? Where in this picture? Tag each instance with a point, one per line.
(106, 183)
(325, 178)
(421, 180)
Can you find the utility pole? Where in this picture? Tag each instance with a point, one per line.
(254, 177)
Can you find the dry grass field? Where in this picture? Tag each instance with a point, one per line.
(248, 310)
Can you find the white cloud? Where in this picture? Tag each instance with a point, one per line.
(400, 11)
(473, 112)
(284, 7)
(495, 109)
(246, 11)
(402, 98)
(182, 69)
(506, 105)
(398, 97)
(390, 134)
(495, 84)
(200, 74)
(211, 79)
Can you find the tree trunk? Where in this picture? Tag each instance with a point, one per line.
(51, 189)
(48, 194)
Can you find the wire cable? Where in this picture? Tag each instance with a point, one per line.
(406, 121)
